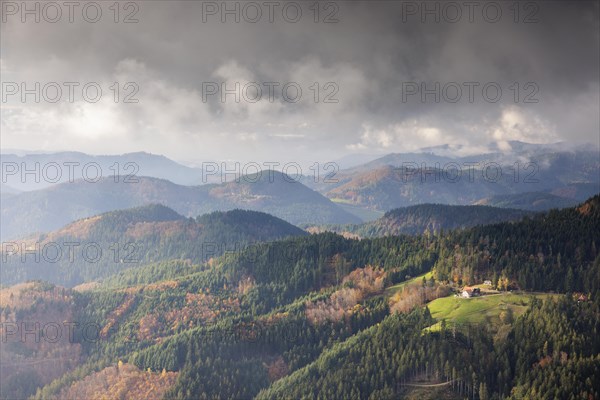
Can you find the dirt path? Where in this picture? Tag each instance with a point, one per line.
(427, 385)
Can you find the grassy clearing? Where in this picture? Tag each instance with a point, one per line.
(390, 291)
(485, 309)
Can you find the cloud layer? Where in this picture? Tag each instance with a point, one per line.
(361, 79)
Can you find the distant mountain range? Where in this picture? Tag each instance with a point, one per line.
(400, 180)
(533, 177)
(278, 194)
(38, 171)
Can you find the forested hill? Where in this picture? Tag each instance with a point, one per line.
(117, 240)
(362, 350)
(315, 314)
(534, 201)
(555, 251)
(552, 352)
(435, 217)
(430, 219)
(117, 220)
(247, 224)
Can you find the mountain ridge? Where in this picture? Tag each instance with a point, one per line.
(428, 218)
(50, 208)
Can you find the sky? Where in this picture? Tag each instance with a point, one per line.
(297, 81)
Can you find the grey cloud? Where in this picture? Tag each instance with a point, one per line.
(370, 53)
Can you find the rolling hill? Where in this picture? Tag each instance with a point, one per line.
(102, 245)
(429, 218)
(534, 201)
(272, 192)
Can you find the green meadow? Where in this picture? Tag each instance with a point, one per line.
(493, 309)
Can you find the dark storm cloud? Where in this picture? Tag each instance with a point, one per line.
(374, 50)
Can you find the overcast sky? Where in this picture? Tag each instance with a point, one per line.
(370, 57)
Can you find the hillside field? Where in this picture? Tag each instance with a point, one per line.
(484, 309)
